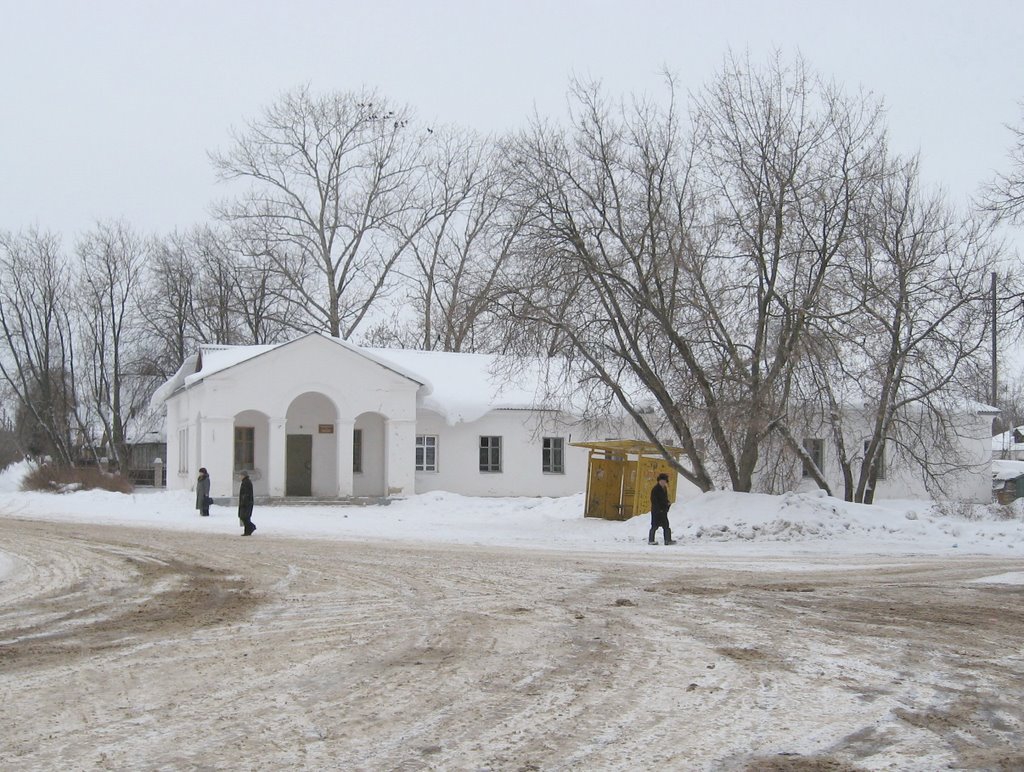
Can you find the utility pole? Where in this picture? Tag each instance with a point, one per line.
(995, 372)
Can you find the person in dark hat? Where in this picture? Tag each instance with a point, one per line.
(245, 504)
(203, 492)
(659, 510)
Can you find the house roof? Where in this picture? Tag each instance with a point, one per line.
(1010, 441)
(1006, 469)
(459, 387)
(631, 447)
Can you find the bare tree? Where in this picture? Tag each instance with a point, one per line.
(691, 270)
(113, 261)
(37, 360)
(1004, 196)
(457, 258)
(334, 198)
(908, 318)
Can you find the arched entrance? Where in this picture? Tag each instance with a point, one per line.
(251, 450)
(311, 452)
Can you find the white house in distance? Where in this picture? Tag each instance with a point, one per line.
(319, 417)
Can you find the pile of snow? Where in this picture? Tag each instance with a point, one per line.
(717, 523)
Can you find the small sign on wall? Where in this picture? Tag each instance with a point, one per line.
(325, 428)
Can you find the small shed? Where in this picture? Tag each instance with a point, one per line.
(1007, 480)
(620, 475)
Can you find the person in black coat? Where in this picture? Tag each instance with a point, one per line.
(245, 503)
(659, 510)
(203, 492)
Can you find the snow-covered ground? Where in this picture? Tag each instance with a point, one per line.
(717, 523)
(444, 632)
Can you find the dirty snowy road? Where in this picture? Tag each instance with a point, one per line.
(148, 649)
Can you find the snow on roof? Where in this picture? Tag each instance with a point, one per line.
(1006, 469)
(1009, 441)
(215, 358)
(459, 387)
(466, 386)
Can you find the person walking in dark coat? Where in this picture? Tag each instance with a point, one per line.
(203, 492)
(245, 503)
(659, 510)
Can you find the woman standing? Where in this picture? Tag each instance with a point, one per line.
(203, 492)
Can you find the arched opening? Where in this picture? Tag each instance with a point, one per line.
(369, 450)
(311, 452)
(251, 450)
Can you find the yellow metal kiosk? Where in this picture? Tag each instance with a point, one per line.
(620, 475)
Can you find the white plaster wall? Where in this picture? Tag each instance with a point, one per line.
(370, 481)
(269, 384)
(522, 474)
(902, 482)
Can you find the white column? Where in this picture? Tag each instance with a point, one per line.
(277, 446)
(343, 436)
(217, 452)
(400, 457)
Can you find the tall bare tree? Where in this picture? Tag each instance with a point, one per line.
(37, 357)
(113, 260)
(908, 318)
(334, 197)
(1004, 196)
(452, 278)
(690, 269)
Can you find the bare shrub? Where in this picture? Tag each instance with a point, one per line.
(959, 509)
(52, 478)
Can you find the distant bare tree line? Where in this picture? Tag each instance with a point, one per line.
(728, 275)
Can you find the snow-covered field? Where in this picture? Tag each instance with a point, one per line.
(441, 632)
(718, 523)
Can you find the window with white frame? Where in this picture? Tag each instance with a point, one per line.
(490, 454)
(553, 455)
(183, 450)
(426, 453)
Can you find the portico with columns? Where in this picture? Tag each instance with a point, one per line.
(314, 417)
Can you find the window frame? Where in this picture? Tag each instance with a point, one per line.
(357, 451)
(880, 460)
(425, 448)
(490, 455)
(815, 448)
(183, 434)
(552, 455)
(245, 439)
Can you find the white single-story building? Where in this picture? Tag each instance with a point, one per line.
(318, 417)
(322, 418)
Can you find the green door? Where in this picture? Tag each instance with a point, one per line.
(299, 465)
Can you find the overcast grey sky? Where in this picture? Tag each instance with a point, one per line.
(110, 106)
